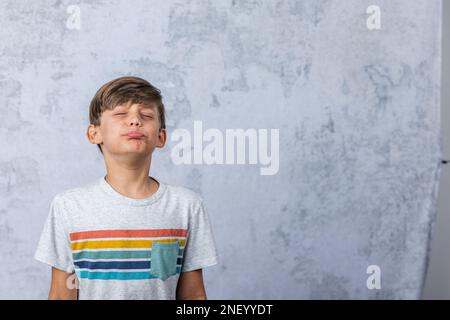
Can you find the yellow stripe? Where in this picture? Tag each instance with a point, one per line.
(120, 244)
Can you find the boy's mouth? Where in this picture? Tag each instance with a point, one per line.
(134, 134)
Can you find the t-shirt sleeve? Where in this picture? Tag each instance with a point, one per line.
(54, 244)
(200, 250)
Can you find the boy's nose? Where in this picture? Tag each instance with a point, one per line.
(135, 121)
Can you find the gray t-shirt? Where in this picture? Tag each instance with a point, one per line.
(125, 248)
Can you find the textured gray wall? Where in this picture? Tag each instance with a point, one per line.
(357, 109)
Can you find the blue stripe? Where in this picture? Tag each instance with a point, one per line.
(113, 264)
(123, 254)
(117, 264)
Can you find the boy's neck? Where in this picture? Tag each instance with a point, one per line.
(138, 189)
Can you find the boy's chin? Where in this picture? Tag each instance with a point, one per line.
(134, 151)
(137, 151)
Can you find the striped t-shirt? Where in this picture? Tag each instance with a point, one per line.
(126, 248)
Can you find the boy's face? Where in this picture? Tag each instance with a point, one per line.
(128, 129)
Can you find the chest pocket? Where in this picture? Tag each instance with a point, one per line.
(164, 259)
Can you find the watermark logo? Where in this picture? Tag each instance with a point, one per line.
(374, 19)
(72, 282)
(374, 280)
(212, 146)
(73, 22)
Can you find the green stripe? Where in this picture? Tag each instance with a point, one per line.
(129, 254)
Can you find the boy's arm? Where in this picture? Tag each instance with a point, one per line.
(59, 289)
(190, 286)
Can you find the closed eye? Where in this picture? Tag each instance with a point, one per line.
(145, 115)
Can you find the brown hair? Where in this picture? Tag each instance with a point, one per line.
(124, 90)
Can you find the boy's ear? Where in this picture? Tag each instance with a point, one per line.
(93, 134)
(162, 138)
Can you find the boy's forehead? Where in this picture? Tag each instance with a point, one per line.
(147, 105)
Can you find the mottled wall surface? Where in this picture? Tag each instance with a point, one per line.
(357, 112)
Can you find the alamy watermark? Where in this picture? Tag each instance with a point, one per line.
(373, 21)
(374, 280)
(73, 21)
(213, 146)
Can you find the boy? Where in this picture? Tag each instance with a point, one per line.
(127, 235)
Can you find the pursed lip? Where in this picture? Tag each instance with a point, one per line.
(135, 134)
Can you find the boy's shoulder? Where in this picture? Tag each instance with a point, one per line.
(183, 193)
(76, 192)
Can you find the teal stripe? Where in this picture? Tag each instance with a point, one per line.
(113, 275)
(130, 254)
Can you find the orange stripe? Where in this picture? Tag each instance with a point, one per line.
(128, 234)
(123, 244)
